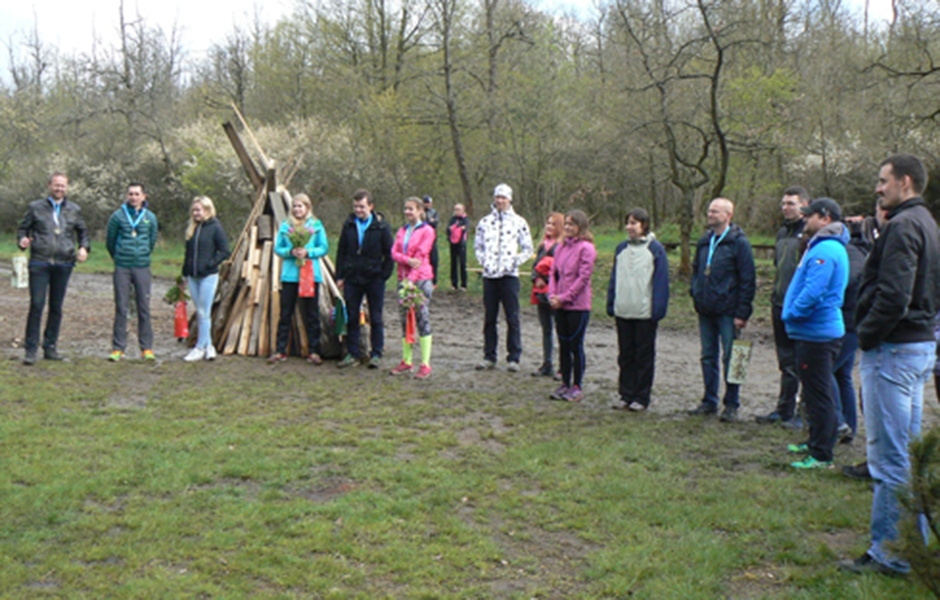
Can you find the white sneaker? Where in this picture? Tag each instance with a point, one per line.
(195, 354)
(210, 352)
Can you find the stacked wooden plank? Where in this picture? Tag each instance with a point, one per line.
(248, 301)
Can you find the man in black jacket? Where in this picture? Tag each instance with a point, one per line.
(897, 303)
(723, 286)
(50, 229)
(363, 264)
(787, 251)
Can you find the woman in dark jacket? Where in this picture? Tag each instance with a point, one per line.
(206, 248)
(554, 234)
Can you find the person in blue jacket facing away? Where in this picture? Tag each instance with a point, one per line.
(638, 296)
(812, 314)
(301, 216)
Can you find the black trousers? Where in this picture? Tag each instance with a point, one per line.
(505, 291)
(814, 362)
(571, 326)
(309, 311)
(53, 279)
(435, 260)
(636, 340)
(374, 293)
(458, 264)
(786, 362)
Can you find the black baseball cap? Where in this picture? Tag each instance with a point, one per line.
(826, 207)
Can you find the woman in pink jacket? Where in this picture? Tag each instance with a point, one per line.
(412, 252)
(569, 294)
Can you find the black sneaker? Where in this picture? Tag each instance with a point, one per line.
(867, 564)
(705, 408)
(52, 354)
(770, 419)
(729, 414)
(30, 358)
(857, 472)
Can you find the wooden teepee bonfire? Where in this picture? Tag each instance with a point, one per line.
(248, 301)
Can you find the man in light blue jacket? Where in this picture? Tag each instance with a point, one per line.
(812, 314)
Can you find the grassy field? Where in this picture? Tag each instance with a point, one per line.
(184, 480)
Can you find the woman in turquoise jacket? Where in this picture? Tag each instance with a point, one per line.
(301, 216)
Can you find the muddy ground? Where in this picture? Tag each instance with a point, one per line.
(457, 320)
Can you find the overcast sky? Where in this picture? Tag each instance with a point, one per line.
(71, 26)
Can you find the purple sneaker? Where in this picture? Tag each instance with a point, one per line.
(573, 394)
(559, 394)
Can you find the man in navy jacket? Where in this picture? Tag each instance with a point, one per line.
(723, 286)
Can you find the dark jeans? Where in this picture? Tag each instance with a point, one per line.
(547, 322)
(505, 291)
(435, 261)
(458, 264)
(55, 279)
(141, 279)
(715, 331)
(309, 312)
(786, 362)
(845, 390)
(636, 341)
(374, 293)
(814, 362)
(571, 325)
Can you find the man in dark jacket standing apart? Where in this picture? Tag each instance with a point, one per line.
(363, 264)
(50, 228)
(723, 286)
(897, 304)
(786, 256)
(132, 235)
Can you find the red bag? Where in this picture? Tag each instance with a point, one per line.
(456, 234)
(308, 287)
(410, 326)
(181, 321)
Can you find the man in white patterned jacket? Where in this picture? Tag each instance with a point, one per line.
(502, 243)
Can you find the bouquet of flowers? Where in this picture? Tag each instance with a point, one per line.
(177, 296)
(177, 293)
(299, 237)
(410, 297)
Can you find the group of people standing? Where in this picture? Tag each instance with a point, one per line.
(837, 288)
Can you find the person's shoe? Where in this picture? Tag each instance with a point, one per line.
(559, 393)
(636, 407)
(705, 408)
(348, 361)
(545, 370)
(769, 419)
(314, 359)
(858, 472)
(30, 358)
(794, 424)
(811, 463)
(148, 356)
(196, 354)
(867, 564)
(402, 367)
(729, 414)
(844, 434)
(277, 357)
(116, 356)
(513, 367)
(486, 365)
(424, 371)
(573, 394)
(798, 448)
(620, 404)
(375, 362)
(210, 352)
(52, 354)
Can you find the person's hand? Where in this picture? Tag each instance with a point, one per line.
(340, 284)
(82, 255)
(740, 323)
(540, 281)
(554, 302)
(414, 263)
(24, 243)
(299, 252)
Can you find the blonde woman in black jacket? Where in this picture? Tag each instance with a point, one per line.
(206, 248)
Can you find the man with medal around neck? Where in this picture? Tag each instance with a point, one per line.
(723, 286)
(132, 234)
(50, 228)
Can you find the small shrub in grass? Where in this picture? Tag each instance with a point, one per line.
(924, 498)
